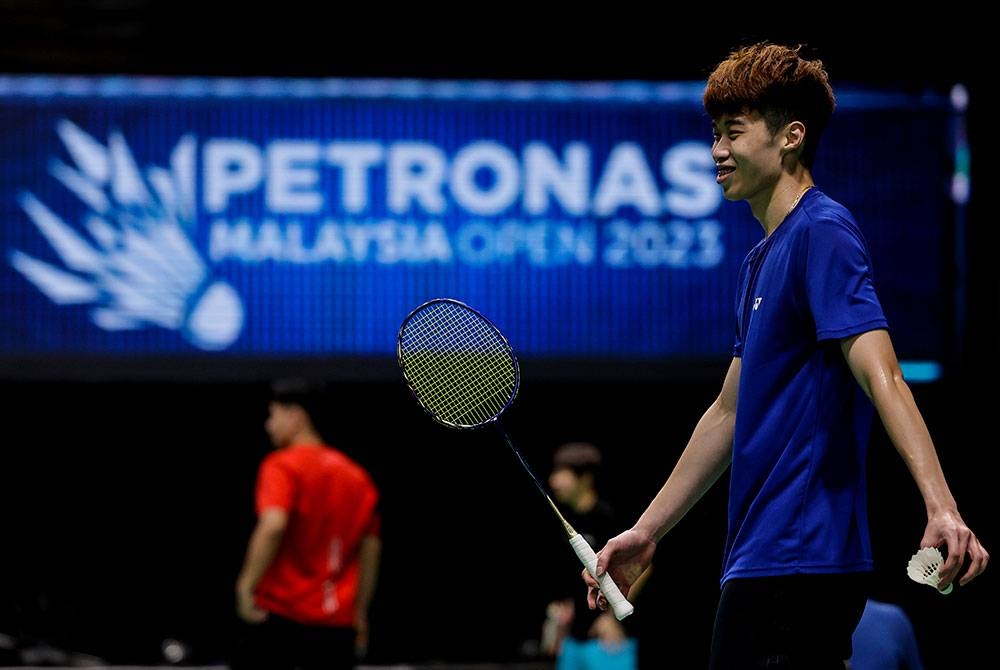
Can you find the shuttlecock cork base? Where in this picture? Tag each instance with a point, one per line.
(924, 567)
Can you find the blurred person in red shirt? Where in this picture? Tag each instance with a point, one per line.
(312, 561)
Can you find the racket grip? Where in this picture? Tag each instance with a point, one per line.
(619, 605)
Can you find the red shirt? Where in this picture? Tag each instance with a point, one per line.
(332, 504)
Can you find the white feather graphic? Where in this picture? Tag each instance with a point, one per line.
(135, 266)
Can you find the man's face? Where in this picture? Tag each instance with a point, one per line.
(566, 485)
(282, 423)
(747, 155)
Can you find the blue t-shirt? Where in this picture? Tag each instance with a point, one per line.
(797, 500)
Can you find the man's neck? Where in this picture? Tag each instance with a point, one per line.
(784, 199)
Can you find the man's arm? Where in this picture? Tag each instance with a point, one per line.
(873, 362)
(708, 453)
(369, 558)
(261, 550)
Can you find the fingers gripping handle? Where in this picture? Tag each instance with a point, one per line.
(621, 607)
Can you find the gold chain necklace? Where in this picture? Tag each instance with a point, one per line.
(797, 198)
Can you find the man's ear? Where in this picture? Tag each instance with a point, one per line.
(795, 134)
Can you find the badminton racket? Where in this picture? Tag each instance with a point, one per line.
(464, 374)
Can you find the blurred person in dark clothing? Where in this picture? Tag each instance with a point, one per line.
(578, 637)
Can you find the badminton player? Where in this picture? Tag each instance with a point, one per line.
(312, 561)
(812, 364)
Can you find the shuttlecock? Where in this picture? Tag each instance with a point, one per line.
(924, 566)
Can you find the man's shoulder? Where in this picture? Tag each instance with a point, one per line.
(885, 611)
(822, 208)
(824, 217)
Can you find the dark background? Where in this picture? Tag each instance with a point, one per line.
(128, 503)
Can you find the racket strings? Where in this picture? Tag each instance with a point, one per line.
(460, 367)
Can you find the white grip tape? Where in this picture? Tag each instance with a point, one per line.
(619, 605)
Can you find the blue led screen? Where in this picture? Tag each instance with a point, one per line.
(233, 219)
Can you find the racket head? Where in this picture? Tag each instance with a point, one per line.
(458, 365)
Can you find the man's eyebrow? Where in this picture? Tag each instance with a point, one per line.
(729, 123)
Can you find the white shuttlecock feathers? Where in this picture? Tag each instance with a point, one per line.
(130, 259)
(924, 566)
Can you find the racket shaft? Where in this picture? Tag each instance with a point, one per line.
(619, 605)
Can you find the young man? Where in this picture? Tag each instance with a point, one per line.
(312, 561)
(812, 361)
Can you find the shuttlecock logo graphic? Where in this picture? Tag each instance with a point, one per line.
(136, 266)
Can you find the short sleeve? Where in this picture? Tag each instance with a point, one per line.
(839, 286)
(275, 485)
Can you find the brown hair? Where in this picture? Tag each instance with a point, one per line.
(779, 84)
